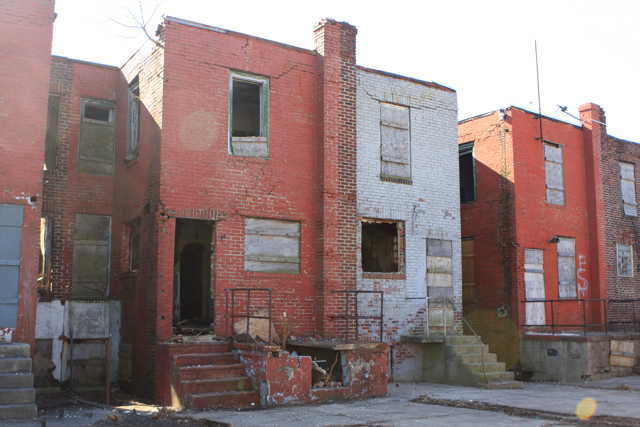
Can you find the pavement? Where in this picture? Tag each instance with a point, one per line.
(618, 397)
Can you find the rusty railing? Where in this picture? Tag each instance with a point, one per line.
(634, 307)
(247, 316)
(347, 316)
(584, 325)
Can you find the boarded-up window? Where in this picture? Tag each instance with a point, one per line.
(534, 286)
(134, 117)
(97, 133)
(628, 186)
(381, 246)
(567, 268)
(134, 244)
(272, 246)
(468, 269)
(467, 173)
(394, 140)
(91, 256)
(10, 246)
(51, 141)
(554, 174)
(440, 282)
(625, 260)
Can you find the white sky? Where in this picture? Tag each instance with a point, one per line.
(588, 51)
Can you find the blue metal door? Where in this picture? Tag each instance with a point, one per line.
(10, 244)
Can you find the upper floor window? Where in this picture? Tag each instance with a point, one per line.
(554, 173)
(134, 119)
(51, 141)
(467, 173)
(395, 147)
(249, 115)
(97, 134)
(628, 187)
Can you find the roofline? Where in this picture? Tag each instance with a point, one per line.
(233, 33)
(468, 119)
(95, 64)
(553, 119)
(409, 79)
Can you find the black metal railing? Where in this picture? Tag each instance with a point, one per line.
(558, 302)
(635, 317)
(247, 316)
(360, 312)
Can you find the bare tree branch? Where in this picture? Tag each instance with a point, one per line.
(136, 20)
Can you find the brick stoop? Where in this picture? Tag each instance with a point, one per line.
(468, 352)
(208, 375)
(17, 395)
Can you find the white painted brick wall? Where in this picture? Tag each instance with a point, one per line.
(430, 207)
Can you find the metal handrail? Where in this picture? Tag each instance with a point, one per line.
(248, 316)
(357, 317)
(584, 325)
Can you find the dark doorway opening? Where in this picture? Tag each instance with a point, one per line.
(192, 283)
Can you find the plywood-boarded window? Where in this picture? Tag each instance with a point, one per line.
(91, 256)
(272, 246)
(567, 268)
(628, 187)
(554, 173)
(468, 269)
(97, 135)
(625, 260)
(534, 286)
(381, 246)
(394, 140)
(51, 141)
(134, 118)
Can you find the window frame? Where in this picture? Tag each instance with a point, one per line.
(618, 245)
(134, 229)
(389, 160)
(53, 132)
(632, 205)
(561, 163)
(575, 273)
(468, 149)
(111, 122)
(264, 112)
(258, 231)
(399, 243)
(133, 128)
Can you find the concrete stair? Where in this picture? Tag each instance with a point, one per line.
(207, 376)
(17, 395)
(469, 353)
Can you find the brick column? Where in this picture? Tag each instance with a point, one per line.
(594, 134)
(336, 180)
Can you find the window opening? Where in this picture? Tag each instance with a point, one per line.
(95, 112)
(381, 247)
(134, 118)
(625, 260)
(134, 244)
(249, 115)
(554, 174)
(468, 269)
(97, 136)
(628, 189)
(51, 141)
(91, 256)
(272, 246)
(534, 286)
(567, 267)
(395, 141)
(46, 232)
(467, 174)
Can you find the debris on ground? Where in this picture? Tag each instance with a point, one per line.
(597, 420)
(258, 328)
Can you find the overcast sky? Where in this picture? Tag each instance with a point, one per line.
(588, 51)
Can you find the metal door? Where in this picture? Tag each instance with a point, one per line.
(10, 245)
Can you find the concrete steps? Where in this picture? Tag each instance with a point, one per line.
(208, 375)
(17, 395)
(469, 353)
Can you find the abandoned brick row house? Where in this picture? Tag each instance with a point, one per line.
(549, 220)
(218, 161)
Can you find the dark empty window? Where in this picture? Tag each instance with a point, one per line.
(467, 179)
(134, 248)
(95, 112)
(380, 247)
(51, 141)
(246, 109)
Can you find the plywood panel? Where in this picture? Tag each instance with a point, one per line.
(439, 265)
(440, 248)
(626, 171)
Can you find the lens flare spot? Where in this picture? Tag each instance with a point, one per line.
(586, 408)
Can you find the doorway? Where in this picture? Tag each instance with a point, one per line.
(192, 283)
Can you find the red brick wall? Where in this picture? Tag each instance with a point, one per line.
(68, 192)
(25, 36)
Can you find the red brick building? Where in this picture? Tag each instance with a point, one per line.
(542, 218)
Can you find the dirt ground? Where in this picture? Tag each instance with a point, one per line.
(596, 421)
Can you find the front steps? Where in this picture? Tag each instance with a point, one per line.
(17, 395)
(207, 375)
(459, 361)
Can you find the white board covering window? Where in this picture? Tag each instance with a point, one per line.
(554, 174)
(534, 286)
(394, 141)
(625, 260)
(628, 188)
(567, 268)
(272, 246)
